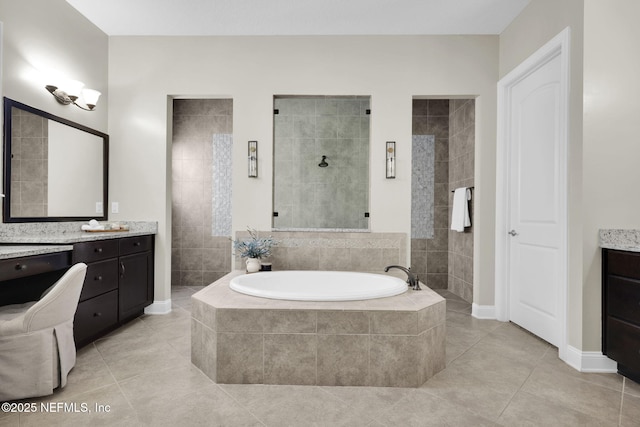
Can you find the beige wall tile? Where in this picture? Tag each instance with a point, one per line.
(432, 316)
(240, 358)
(234, 320)
(290, 359)
(343, 322)
(343, 360)
(289, 321)
(394, 322)
(394, 361)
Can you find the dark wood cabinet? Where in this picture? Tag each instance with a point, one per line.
(135, 271)
(25, 278)
(118, 285)
(621, 310)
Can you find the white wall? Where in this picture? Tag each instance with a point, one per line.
(144, 71)
(611, 150)
(45, 36)
(538, 23)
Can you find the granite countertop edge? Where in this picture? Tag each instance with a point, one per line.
(68, 233)
(620, 239)
(75, 237)
(9, 252)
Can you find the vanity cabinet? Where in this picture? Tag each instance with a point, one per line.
(621, 310)
(117, 287)
(136, 271)
(25, 278)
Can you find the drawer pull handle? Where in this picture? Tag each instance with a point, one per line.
(122, 269)
(97, 314)
(21, 267)
(137, 244)
(98, 278)
(98, 250)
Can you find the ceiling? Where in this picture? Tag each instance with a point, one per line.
(299, 17)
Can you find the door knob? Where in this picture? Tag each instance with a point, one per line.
(513, 233)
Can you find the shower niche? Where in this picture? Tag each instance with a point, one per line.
(321, 162)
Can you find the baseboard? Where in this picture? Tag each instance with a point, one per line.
(483, 311)
(589, 361)
(159, 307)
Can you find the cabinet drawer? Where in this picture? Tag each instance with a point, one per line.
(623, 343)
(102, 276)
(95, 250)
(94, 316)
(623, 298)
(625, 264)
(132, 245)
(32, 265)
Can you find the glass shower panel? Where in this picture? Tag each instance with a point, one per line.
(321, 162)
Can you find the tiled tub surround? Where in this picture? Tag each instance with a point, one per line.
(367, 252)
(387, 342)
(621, 239)
(68, 232)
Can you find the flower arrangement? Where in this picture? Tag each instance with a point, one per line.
(254, 247)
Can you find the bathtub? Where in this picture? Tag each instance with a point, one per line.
(318, 285)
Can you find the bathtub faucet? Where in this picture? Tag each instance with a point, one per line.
(412, 279)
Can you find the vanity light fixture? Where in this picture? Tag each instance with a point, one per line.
(391, 159)
(70, 93)
(253, 159)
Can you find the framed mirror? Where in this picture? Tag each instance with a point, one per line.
(54, 169)
(321, 163)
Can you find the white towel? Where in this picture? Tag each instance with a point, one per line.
(460, 212)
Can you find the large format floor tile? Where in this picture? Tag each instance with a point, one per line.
(497, 375)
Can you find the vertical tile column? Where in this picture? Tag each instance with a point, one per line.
(199, 257)
(461, 174)
(429, 258)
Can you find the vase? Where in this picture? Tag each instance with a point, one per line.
(253, 265)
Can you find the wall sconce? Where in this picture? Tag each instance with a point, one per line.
(253, 159)
(391, 159)
(70, 93)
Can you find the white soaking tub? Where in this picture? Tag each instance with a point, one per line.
(318, 285)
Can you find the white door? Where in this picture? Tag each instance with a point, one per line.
(535, 189)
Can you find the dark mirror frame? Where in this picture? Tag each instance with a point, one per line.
(8, 105)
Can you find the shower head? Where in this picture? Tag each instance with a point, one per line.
(323, 163)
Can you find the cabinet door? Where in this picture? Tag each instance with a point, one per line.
(135, 278)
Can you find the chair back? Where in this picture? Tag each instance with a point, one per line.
(59, 304)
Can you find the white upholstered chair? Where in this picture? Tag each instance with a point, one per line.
(37, 349)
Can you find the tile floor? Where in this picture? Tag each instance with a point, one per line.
(497, 374)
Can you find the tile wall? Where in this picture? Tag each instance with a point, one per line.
(429, 257)
(29, 164)
(198, 258)
(298, 250)
(461, 171)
